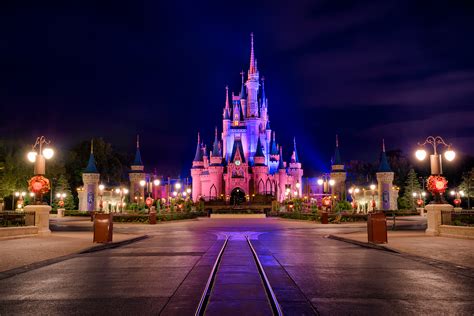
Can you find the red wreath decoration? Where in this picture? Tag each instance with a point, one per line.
(39, 185)
(419, 202)
(457, 202)
(437, 184)
(149, 201)
(326, 201)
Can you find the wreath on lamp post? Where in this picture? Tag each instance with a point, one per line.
(437, 184)
(39, 185)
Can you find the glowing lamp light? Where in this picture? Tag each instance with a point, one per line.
(188, 190)
(423, 193)
(175, 193)
(63, 195)
(357, 190)
(125, 191)
(32, 156)
(320, 181)
(58, 195)
(156, 182)
(17, 194)
(372, 187)
(420, 154)
(350, 191)
(452, 192)
(117, 191)
(101, 187)
(332, 182)
(298, 185)
(449, 154)
(32, 194)
(48, 153)
(142, 183)
(177, 186)
(184, 193)
(461, 192)
(414, 194)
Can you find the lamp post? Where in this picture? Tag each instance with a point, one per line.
(437, 184)
(38, 155)
(61, 197)
(457, 197)
(121, 192)
(372, 191)
(419, 198)
(353, 192)
(101, 194)
(20, 201)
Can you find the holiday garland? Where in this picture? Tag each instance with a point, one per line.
(437, 184)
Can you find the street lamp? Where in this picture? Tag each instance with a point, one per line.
(372, 190)
(121, 192)
(38, 155)
(457, 196)
(419, 197)
(61, 197)
(353, 192)
(101, 193)
(437, 184)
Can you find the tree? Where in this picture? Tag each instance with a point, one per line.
(411, 185)
(467, 185)
(62, 186)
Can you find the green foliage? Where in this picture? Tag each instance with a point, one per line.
(62, 186)
(14, 169)
(411, 185)
(343, 206)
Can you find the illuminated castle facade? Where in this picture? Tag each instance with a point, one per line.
(245, 159)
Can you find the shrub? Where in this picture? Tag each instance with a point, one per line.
(343, 206)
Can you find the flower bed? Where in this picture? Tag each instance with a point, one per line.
(144, 219)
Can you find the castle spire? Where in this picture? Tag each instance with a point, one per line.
(227, 97)
(259, 151)
(91, 167)
(337, 156)
(384, 165)
(198, 154)
(243, 95)
(215, 147)
(138, 156)
(295, 153)
(281, 165)
(253, 68)
(264, 98)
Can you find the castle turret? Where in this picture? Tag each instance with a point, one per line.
(295, 170)
(387, 195)
(216, 170)
(90, 178)
(136, 175)
(259, 169)
(338, 174)
(196, 170)
(282, 176)
(243, 96)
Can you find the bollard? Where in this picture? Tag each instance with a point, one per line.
(152, 217)
(103, 228)
(377, 228)
(324, 218)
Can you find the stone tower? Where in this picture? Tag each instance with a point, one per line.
(90, 178)
(137, 174)
(295, 171)
(338, 174)
(216, 170)
(196, 170)
(387, 195)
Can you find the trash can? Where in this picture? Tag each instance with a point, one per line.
(324, 218)
(377, 228)
(152, 217)
(103, 228)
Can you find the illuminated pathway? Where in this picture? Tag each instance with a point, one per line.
(166, 274)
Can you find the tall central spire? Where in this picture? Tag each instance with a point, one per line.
(252, 69)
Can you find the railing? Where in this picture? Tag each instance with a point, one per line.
(14, 219)
(462, 218)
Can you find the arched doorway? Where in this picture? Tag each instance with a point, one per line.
(237, 196)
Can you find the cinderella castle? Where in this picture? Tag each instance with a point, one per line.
(246, 159)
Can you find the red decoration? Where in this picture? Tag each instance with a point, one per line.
(326, 201)
(457, 202)
(437, 184)
(61, 203)
(38, 185)
(374, 204)
(149, 201)
(419, 202)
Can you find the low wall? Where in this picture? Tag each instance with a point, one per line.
(238, 216)
(456, 231)
(18, 231)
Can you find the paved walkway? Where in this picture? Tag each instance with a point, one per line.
(453, 250)
(21, 251)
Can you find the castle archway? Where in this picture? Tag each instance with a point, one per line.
(237, 196)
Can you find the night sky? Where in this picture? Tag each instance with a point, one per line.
(365, 70)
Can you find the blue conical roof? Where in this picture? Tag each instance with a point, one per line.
(198, 155)
(91, 167)
(216, 152)
(243, 94)
(384, 165)
(259, 151)
(297, 160)
(337, 156)
(281, 165)
(138, 158)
